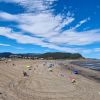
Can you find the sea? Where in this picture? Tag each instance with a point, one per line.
(95, 65)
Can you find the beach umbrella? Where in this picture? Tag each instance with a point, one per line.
(75, 71)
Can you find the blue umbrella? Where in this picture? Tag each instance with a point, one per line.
(75, 72)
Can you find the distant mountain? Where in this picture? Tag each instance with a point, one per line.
(49, 55)
(5, 54)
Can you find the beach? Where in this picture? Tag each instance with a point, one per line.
(23, 79)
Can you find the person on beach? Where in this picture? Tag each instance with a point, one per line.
(73, 80)
(25, 74)
(13, 64)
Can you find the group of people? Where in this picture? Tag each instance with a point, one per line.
(74, 71)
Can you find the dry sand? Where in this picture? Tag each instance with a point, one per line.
(41, 84)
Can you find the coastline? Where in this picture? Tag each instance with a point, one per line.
(87, 72)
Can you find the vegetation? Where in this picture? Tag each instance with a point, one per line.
(60, 55)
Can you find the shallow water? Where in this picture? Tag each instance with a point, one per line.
(95, 65)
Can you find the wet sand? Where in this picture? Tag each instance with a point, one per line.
(42, 84)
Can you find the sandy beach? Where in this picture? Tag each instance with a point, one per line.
(42, 84)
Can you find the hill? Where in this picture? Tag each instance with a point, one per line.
(49, 55)
(61, 55)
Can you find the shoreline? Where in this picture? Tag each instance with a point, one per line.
(87, 72)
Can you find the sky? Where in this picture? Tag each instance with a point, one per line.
(39, 26)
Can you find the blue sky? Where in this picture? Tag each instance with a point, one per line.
(40, 26)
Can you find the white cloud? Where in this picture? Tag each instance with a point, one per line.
(87, 51)
(48, 27)
(19, 48)
(32, 5)
(1, 44)
(97, 49)
(7, 16)
(81, 23)
(8, 45)
(43, 24)
(71, 37)
(25, 39)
